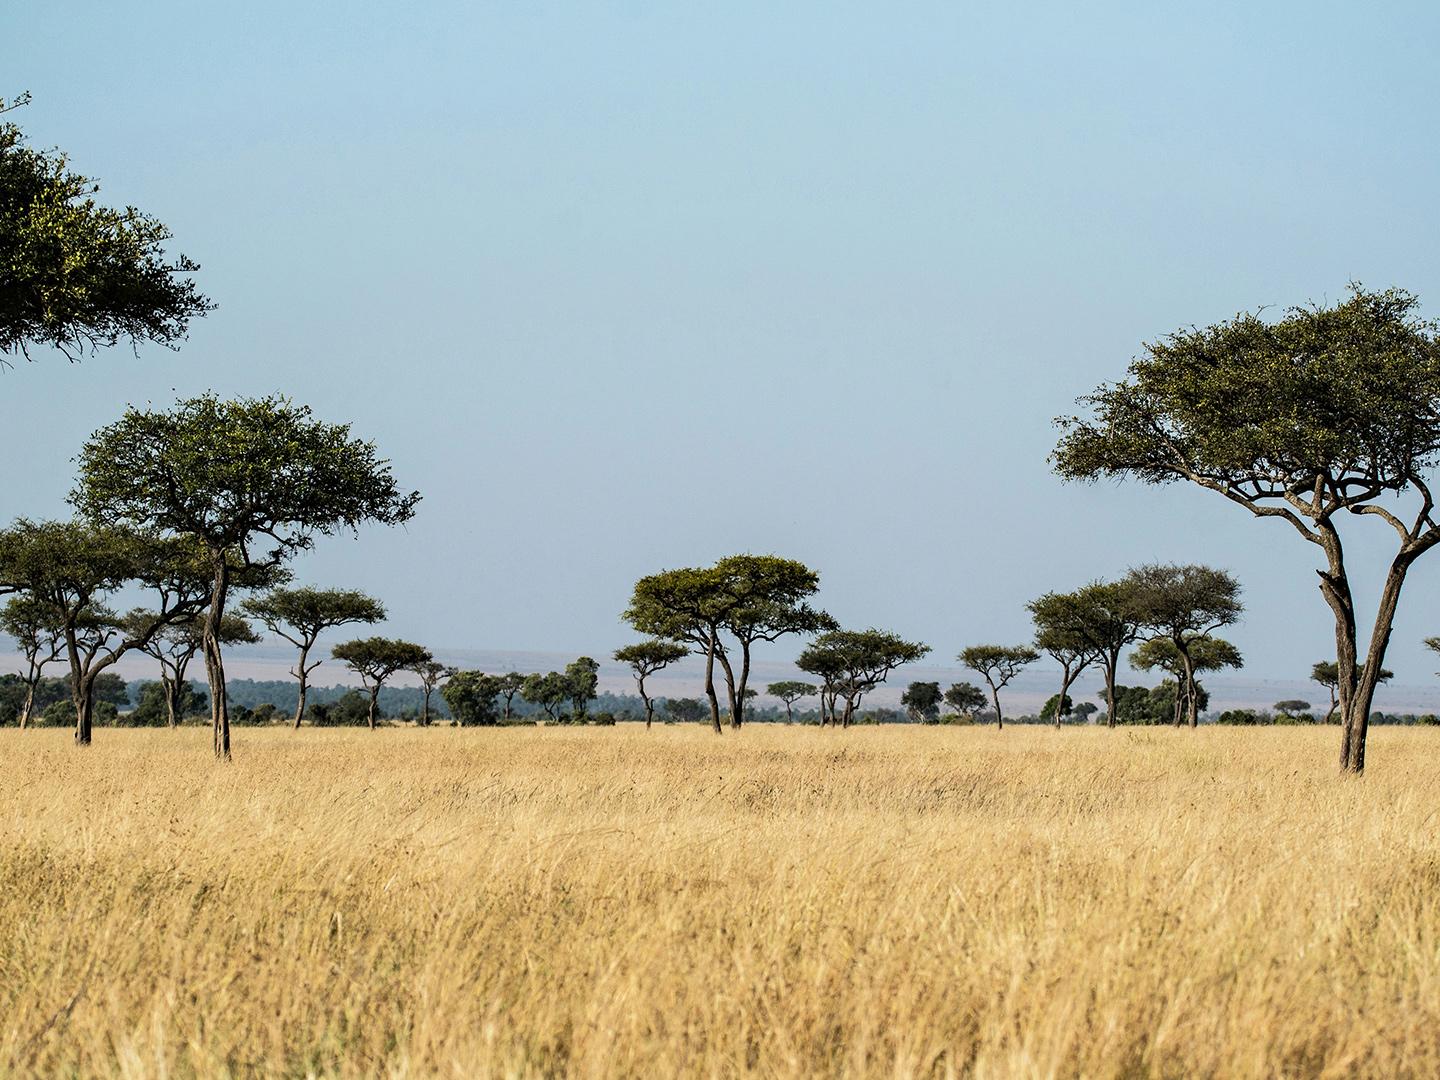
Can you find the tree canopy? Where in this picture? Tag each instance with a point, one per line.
(375, 659)
(1328, 411)
(997, 665)
(645, 659)
(76, 275)
(854, 662)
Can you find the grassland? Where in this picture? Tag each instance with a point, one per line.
(788, 902)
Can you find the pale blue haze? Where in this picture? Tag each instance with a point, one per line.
(628, 286)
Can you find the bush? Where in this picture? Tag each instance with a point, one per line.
(603, 719)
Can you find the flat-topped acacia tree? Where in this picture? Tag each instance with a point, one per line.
(253, 480)
(1181, 604)
(1328, 413)
(1327, 674)
(854, 662)
(997, 665)
(1063, 633)
(645, 659)
(301, 615)
(1204, 653)
(375, 659)
(790, 691)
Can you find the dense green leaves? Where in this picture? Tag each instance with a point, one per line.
(854, 662)
(77, 275)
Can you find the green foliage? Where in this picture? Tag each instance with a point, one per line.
(965, 698)
(1207, 653)
(921, 701)
(1047, 711)
(301, 615)
(77, 275)
(471, 696)
(351, 710)
(685, 710)
(854, 662)
(582, 677)
(234, 473)
(150, 710)
(551, 692)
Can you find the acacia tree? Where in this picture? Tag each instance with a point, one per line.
(965, 698)
(78, 275)
(1183, 604)
(254, 481)
(1325, 413)
(375, 659)
(645, 659)
(1202, 654)
(176, 645)
(73, 568)
(301, 615)
(854, 662)
(1063, 633)
(550, 691)
(922, 701)
(37, 630)
(508, 686)
(1327, 674)
(1106, 617)
(750, 598)
(997, 665)
(790, 691)
(471, 697)
(582, 676)
(431, 674)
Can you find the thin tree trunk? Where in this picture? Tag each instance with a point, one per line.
(729, 688)
(649, 706)
(1065, 681)
(710, 686)
(170, 687)
(738, 716)
(302, 675)
(1192, 704)
(215, 663)
(1112, 660)
(28, 706)
(995, 697)
(374, 700)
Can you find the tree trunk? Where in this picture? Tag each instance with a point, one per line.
(170, 687)
(995, 697)
(85, 717)
(28, 706)
(738, 716)
(303, 676)
(789, 716)
(1112, 661)
(730, 688)
(425, 711)
(649, 705)
(1065, 682)
(214, 662)
(710, 686)
(1356, 712)
(374, 702)
(1192, 704)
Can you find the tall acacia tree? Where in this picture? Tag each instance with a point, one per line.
(254, 481)
(1107, 618)
(1329, 412)
(645, 659)
(76, 275)
(1202, 654)
(73, 569)
(1182, 604)
(38, 632)
(997, 665)
(854, 662)
(1063, 633)
(301, 615)
(685, 605)
(375, 659)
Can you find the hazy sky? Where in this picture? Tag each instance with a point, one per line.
(622, 287)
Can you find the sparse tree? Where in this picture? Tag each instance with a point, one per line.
(551, 692)
(645, 659)
(1062, 632)
(176, 645)
(790, 691)
(965, 698)
(38, 631)
(1206, 653)
(1183, 604)
(431, 674)
(997, 665)
(301, 615)
(922, 702)
(235, 476)
(509, 685)
(1327, 412)
(375, 659)
(854, 662)
(1327, 674)
(77, 275)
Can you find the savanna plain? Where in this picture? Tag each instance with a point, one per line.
(781, 901)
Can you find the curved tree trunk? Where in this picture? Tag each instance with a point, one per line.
(995, 697)
(1065, 681)
(215, 663)
(374, 705)
(28, 706)
(304, 678)
(1355, 719)
(710, 686)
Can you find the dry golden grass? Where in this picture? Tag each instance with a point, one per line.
(789, 902)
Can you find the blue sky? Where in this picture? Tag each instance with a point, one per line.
(628, 286)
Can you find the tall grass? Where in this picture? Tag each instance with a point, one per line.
(786, 902)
